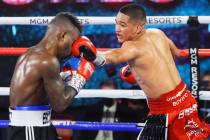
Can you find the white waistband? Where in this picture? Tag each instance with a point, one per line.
(29, 117)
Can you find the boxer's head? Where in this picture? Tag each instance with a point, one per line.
(130, 22)
(64, 30)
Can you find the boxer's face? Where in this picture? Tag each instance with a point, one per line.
(68, 37)
(125, 28)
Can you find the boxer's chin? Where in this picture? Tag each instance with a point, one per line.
(120, 40)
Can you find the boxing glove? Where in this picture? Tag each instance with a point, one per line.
(85, 48)
(126, 75)
(80, 71)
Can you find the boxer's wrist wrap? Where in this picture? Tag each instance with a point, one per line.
(100, 60)
(77, 82)
(66, 76)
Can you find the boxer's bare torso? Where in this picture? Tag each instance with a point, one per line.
(151, 59)
(36, 79)
(27, 85)
(154, 67)
(149, 53)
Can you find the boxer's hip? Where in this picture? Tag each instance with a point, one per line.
(181, 109)
(175, 100)
(39, 116)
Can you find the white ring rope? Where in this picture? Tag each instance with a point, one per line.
(90, 20)
(99, 93)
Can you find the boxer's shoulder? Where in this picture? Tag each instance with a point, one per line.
(49, 64)
(153, 30)
(130, 44)
(41, 60)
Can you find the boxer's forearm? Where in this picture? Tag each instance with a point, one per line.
(116, 56)
(113, 56)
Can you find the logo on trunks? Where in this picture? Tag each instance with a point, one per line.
(46, 117)
(177, 95)
(192, 128)
(164, 20)
(187, 111)
(180, 100)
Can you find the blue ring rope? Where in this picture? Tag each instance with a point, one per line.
(79, 125)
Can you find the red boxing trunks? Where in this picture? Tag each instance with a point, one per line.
(181, 114)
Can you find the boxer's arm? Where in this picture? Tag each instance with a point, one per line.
(125, 53)
(60, 96)
(175, 51)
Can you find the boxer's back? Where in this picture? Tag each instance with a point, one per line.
(27, 86)
(155, 69)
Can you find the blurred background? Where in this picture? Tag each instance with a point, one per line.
(103, 36)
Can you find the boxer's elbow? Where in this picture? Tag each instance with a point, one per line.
(58, 109)
(60, 106)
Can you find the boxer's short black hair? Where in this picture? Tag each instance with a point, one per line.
(69, 17)
(134, 11)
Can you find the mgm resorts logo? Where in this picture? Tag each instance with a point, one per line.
(164, 20)
(45, 21)
(194, 71)
(39, 21)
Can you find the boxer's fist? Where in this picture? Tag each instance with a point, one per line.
(126, 75)
(85, 48)
(81, 71)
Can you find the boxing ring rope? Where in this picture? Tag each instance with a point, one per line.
(90, 20)
(85, 93)
(11, 51)
(79, 125)
(98, 93)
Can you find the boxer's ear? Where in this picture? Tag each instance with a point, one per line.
(139, 28)
(60, 36)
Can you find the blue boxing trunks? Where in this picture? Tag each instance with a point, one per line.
(31, 123)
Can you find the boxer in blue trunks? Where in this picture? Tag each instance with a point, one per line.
(38, 86)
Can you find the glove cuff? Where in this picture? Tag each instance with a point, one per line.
(77, 82)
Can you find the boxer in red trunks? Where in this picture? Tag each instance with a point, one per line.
(149, 53)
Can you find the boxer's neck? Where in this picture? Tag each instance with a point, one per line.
(140, 34)
(48, 44)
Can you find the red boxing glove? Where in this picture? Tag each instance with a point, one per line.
(85, 48)
(85, 68)
(81, 71)
(126, 75)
